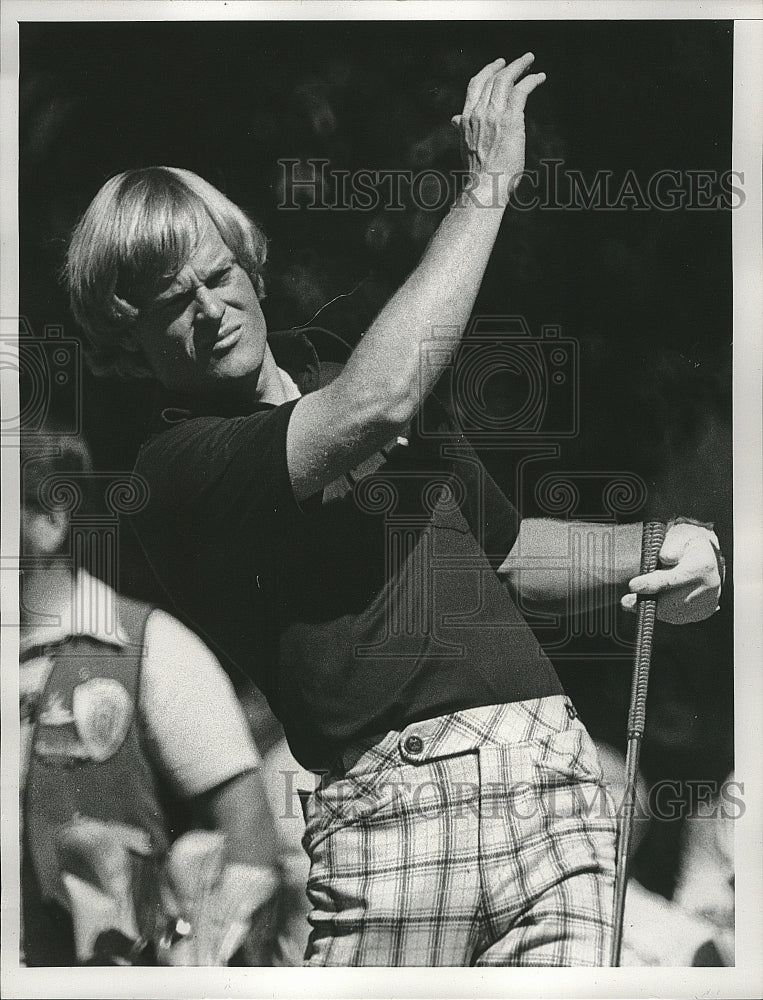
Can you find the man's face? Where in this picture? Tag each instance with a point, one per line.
(205, 328)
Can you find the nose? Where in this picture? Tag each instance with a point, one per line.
(208, 305)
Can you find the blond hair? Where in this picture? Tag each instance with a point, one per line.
(139, 231)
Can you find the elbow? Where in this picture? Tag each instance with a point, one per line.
(522, 592)
(399, 407)
(385, 404)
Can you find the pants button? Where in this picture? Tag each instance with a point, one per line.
(413, 745)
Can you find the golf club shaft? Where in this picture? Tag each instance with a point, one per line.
(651, 543)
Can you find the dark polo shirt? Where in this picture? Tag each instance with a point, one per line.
(366, 608)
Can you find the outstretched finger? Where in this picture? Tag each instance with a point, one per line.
(479, 80)
(524, 88)
(660, 580)
(498, 89)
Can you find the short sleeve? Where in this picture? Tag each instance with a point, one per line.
(194, 724)
(220, 465)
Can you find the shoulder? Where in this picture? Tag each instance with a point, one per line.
(181, 673)
(193, 721)
(169, 644)
(211, 459)
(177, 434)
(176, 448)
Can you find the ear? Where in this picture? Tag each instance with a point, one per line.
(130, 333)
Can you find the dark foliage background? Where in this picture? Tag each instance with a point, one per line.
(646, 294)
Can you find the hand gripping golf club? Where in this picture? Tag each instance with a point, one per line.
(651, 542)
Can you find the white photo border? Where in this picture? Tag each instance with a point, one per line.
(746, 979)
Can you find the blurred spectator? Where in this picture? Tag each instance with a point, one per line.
(705, 884)
(696, 927)
(130, 734)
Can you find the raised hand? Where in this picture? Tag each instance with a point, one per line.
(492, 128)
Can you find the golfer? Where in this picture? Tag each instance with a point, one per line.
(330, 533)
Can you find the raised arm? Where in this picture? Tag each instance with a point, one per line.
(384, 382)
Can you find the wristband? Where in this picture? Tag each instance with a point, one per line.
(707, 525)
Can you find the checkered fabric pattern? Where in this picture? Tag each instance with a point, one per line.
(480, 838)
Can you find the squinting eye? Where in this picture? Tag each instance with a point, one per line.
(174, 305)
(220, 278)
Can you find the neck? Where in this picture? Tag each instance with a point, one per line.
(272, 386)
(268, 384)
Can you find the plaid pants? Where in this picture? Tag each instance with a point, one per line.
(479, 838)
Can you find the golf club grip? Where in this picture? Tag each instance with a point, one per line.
(651, 543)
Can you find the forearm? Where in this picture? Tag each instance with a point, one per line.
(399, 359)
(435, 303)
(224, 900)
(239, 809)
(569, 567)
(429, 311)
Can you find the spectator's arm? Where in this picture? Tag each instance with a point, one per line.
(199, 739)
(239, 808)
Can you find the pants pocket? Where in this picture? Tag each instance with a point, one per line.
(340, 802)
(569, 755)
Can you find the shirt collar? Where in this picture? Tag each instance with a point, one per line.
(91, 608)
(293, 352)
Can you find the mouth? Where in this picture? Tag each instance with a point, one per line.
(225, 343)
